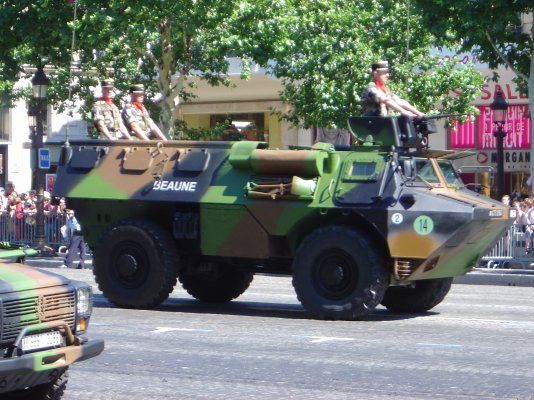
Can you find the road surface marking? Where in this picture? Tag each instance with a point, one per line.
(324, 339)
(164, 329)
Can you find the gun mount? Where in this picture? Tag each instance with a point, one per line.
(401, 132)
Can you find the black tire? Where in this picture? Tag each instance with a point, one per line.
(338, 273)
(220, 285)
(52, 390)
(135, 263)
(424, 296)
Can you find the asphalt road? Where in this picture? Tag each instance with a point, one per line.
(477, 344)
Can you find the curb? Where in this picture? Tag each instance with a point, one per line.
(497, 277)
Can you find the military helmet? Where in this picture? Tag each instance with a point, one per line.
(107, 83)
(137, 88)
(380, 66)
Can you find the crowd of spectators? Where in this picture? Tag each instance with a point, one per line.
(524, 222)
(18, 211)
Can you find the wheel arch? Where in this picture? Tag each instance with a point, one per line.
(347, 218)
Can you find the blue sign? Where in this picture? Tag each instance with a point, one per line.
(44, 158)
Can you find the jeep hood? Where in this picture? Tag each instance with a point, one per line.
(17, 277)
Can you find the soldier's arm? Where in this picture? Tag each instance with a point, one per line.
(124, 131)
(131, 124)
(392, 104)
(154, 128)
(102, 128)
(134, 126)
(100, 125)
(405, 107)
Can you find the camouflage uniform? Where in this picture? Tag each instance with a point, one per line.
(110, 114)
(372, 99)
(130, 113)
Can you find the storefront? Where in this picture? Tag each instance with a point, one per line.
(480, 169)
(250, 107)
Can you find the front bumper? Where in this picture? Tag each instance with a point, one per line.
(33, 369)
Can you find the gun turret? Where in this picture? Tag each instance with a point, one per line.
(401, 132)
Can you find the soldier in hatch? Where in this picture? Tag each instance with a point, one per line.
(378, 101)
(137, 119)
(106, 115)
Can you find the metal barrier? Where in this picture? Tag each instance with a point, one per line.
(19, 228)
(514, 250)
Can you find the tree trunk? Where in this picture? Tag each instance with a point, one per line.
(169, 90)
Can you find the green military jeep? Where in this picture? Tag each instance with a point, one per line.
(42, 318)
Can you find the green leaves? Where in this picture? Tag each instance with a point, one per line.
(325, 60)
(321, 49)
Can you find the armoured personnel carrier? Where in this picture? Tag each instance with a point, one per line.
(383, 221)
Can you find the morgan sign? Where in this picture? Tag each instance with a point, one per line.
(514, 160)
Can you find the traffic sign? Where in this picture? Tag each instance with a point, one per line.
(44, 158)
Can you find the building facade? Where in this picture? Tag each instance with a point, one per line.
(250, 107)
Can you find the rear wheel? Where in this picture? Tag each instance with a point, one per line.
(425, 295)
(339, 274)
(135, 264)
(215, 283)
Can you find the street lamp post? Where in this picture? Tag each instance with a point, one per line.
(35, 118)
(499, 107)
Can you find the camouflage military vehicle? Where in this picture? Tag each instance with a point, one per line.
(42, 318)
(384, 221)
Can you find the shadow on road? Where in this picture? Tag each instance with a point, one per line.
(253, 309)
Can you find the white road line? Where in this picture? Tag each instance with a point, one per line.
(324, 339)
(164, 329)
(439, 345)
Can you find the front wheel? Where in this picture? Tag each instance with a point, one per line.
(52, 390)
(338, 273)
(135, 263)
(423, 296)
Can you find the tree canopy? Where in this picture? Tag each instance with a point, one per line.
(490, 30)
(330, 46)
(159, 43)
(321, 49)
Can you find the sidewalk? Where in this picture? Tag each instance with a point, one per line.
(56, 261)
(498, 277)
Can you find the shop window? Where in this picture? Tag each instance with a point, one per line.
(245, 126)
(4, 124)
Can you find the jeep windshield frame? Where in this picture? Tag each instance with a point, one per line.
(435, 173)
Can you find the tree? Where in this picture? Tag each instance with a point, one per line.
(325, 58)
(160, 43)
(30, 34)
(321, 49)
(490, 30)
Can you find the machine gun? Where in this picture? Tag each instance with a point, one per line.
(426, 124)
(401, 132)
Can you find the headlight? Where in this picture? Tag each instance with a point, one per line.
(84, 307)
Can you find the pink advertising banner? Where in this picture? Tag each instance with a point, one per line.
(463, 135)
(517, 128)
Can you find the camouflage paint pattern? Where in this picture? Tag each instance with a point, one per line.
(244, 202)
(34, 302)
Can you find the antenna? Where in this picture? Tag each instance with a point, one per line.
(73, 41)
(407, 37)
